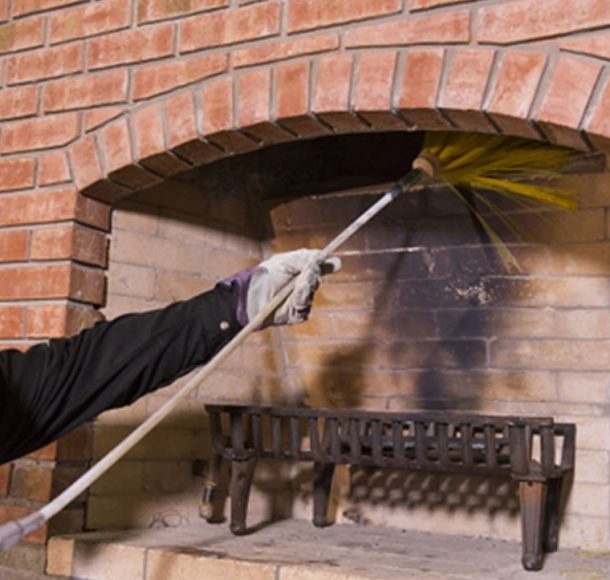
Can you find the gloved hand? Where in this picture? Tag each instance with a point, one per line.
(259, 285)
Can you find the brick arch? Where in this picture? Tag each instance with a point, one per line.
(507, 91)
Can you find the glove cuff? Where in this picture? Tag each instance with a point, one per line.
(240, 284)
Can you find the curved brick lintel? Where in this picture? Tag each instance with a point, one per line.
(514, 92)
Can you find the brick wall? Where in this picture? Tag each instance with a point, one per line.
(108, 97)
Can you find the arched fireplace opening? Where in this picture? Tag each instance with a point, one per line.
(422, 316)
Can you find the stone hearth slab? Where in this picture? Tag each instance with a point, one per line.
(295, 550)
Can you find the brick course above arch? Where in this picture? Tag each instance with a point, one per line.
(511, 91)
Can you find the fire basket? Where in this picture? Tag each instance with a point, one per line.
(535, 451)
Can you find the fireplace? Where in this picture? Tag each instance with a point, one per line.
(423, 317)
(267, 134)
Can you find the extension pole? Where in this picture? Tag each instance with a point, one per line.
(11, 532)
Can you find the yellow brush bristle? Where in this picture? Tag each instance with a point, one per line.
(510, 166)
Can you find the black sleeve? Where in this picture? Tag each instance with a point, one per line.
(51, 389)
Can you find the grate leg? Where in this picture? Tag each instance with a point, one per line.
(533, 502)
(241, 481)
(552, 519)
(206, 507)
(323, 478)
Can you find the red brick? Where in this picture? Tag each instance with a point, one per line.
(425, 4)
(278, 51)
(22, 34)
(568, 92)
(181, 120)
(160, 78)
(310, 14)
(373, 91)
(148, 129)
(106, 191)
(229, 27)
(464, 90)
(38, 207)
(92, 212)
(115, 142)
(87, 285)
(79, 317)
(4, 10)
(89, 246)
(5, 477)
(56, 281)
(292, 99)
(52, 243)
(47, 321)
(92, 18)
(16, 174)
(53, 168)
(182, 132)
(129, 177)
(29, 6)
(97, 117)
(599, 125)
(254, 94)
(11, 512)
(11, 322)
(420, 84)
(332, 93)
(86, 91)
(21, 102)
(45, 63)
(467, 78)
(445, 27)
(592, 45)
(149, 142)
(13, 245)
(218, 117)
(333, 83)
(85, 163)
(218, 106)
(514, 91)
(39, 133)
(521, 20)
(151, 10)
(131, 46)
(254, 104)
(34, 282)
(292, 89)
(69, 242)
(31, 482)
(54, 321)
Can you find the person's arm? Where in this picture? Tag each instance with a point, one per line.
(51, 389)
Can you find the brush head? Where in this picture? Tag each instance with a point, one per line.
(522, 170)
(506, 165)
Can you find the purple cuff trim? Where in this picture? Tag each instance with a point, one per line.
(241, 283)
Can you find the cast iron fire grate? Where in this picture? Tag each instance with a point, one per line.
(537, 452)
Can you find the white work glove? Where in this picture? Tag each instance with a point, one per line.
(259, 285)
(273, 274)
